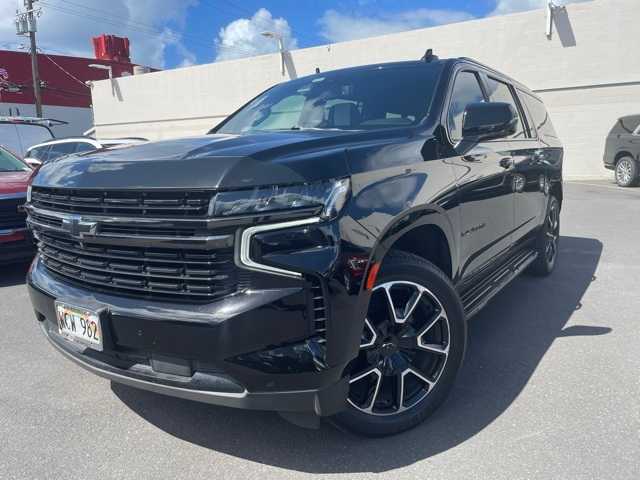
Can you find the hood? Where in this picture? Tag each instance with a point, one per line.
(211, 161)
(14, 182)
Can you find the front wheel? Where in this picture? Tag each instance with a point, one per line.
(411, 348)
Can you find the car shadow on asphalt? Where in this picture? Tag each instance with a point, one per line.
(14, 274)
(508, 339)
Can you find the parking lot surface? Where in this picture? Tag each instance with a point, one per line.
(550, 389)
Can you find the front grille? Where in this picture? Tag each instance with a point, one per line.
(189, 274)
(10, 215)
(124, 203)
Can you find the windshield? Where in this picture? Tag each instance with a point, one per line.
(342, 100)
(10, 163)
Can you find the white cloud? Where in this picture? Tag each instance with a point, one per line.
(243, 37)
(67, 27)
(511, 6)
(339, 27)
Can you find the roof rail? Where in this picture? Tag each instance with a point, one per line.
(49, 122)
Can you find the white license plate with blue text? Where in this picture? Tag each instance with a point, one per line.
(79, 325)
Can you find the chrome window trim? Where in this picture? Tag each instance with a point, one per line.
(244, 253)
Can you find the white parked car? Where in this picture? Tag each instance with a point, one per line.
(17, 134)
(50, 150)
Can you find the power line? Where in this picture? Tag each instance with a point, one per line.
(65, 71)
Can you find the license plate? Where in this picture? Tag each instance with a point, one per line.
(80, 325)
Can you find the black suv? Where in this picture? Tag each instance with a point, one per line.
(320, 251)
(622, 151)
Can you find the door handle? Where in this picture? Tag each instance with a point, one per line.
(506, 162)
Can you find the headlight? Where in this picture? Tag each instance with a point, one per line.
(29, 194)
(330, 195)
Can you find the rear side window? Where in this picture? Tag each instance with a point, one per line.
(60, 149)
(500, 92)
(466, 90)
(541, 119)
(628, 125)
(84, 147)
(38, 153)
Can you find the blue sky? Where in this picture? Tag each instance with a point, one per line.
(304, 16)
(174, 33)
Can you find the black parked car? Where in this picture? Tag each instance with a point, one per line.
(622, 151)
(318, 252)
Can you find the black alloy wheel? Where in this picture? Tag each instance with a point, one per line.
(411, 348)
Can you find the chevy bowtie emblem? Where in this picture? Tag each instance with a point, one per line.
(77, 227)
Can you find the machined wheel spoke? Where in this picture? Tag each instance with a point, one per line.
(404, 349)
(412, 371)
(368, 407)
(400, 313)
(368, 331)
(435, 348)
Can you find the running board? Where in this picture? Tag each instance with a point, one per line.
(477, 297)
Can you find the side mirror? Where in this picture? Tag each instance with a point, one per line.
(33, 163)
(489, 120)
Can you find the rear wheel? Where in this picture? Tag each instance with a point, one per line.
(627, 173)
(411, 349)
(548, 241)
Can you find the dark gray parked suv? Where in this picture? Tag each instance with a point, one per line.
(622, 150)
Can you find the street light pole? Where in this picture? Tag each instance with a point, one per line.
(278, 38)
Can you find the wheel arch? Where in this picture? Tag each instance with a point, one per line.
(425, 231)
(620, 155)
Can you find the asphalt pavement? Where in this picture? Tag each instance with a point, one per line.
(550, 389)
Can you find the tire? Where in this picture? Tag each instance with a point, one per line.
(627, 172)
(418, 349)
(548, 241)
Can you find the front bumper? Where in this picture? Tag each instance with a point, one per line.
(253, 350)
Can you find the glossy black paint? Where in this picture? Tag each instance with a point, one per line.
(468, 207)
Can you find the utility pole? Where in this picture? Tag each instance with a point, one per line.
(26, 23)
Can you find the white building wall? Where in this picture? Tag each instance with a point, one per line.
(588, 74)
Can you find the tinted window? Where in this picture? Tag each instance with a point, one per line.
(84, 147)
(466, 90)
(344, 100)
(541, 119)
(39, 153)
(60, 149)
(500, 92)
(9, 163)
(629, 124)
